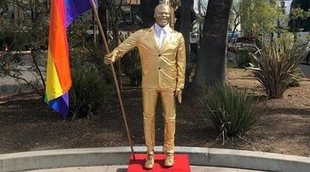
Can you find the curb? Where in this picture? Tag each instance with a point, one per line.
(120, 156)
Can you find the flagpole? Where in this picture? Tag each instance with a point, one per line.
(114, 75)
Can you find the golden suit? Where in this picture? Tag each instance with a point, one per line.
(163, 71)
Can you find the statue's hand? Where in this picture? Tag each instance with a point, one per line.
(178, 95)
(110, 58)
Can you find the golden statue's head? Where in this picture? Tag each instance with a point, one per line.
(162, 15)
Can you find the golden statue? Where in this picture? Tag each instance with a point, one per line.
(163, 61)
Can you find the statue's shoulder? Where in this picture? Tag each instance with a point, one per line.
(177, 33)
(144, 30)
(174, 31)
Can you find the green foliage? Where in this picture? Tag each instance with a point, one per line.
(77, 33)
(230, 110)
(84, 50)
(89, 74)
(29, 28)
(27, 31)
(243, 59)
(87, 94)
(276, 65)
(259, 16)
(299, 13)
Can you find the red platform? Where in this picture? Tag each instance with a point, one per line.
(181, 164)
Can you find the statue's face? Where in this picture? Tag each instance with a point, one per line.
(162, 15)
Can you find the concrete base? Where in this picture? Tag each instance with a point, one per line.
(120, 156)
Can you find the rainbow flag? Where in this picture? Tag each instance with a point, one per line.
(58, 76)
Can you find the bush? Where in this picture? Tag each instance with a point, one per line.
(230, 110)
(87, 94)
(276, 65)
(243, 58)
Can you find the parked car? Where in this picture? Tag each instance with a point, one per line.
(303, 37)
(306, 59)
(231, 36)
(245, 43)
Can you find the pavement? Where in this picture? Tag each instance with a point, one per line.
(116, 159)
(10, 86)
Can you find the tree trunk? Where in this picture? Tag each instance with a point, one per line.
(147, 9)
(186, 24)
(211, 54)
(102, 8)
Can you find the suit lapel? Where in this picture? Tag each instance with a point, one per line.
(152, 35)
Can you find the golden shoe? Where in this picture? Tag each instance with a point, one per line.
(169, 161)
(149, 161)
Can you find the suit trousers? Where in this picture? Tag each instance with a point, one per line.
(150, 96)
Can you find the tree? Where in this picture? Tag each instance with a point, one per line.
(102, 8)
(300, 16)
(211, 54)
(258, 17)
(185, 18)
(23, 29)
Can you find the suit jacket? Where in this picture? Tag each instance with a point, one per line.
(161, 67)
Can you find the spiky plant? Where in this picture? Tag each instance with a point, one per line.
(275, 66)
(230, 110)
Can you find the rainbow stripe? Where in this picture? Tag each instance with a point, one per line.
(58, 76)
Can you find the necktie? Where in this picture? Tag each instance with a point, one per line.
(161, 37)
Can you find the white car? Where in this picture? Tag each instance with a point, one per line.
(244, 44)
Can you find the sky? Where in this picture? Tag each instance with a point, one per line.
(287, 6)
(204, 4)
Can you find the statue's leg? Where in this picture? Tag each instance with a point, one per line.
(169, 113)
(149, 98)
(168, 102)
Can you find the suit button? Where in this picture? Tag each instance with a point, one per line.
(159, 68)
(159, 55)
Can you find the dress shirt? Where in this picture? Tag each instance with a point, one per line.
(160, 34)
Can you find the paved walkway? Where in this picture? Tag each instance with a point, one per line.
(9, 86)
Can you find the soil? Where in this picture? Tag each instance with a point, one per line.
(27, 124)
